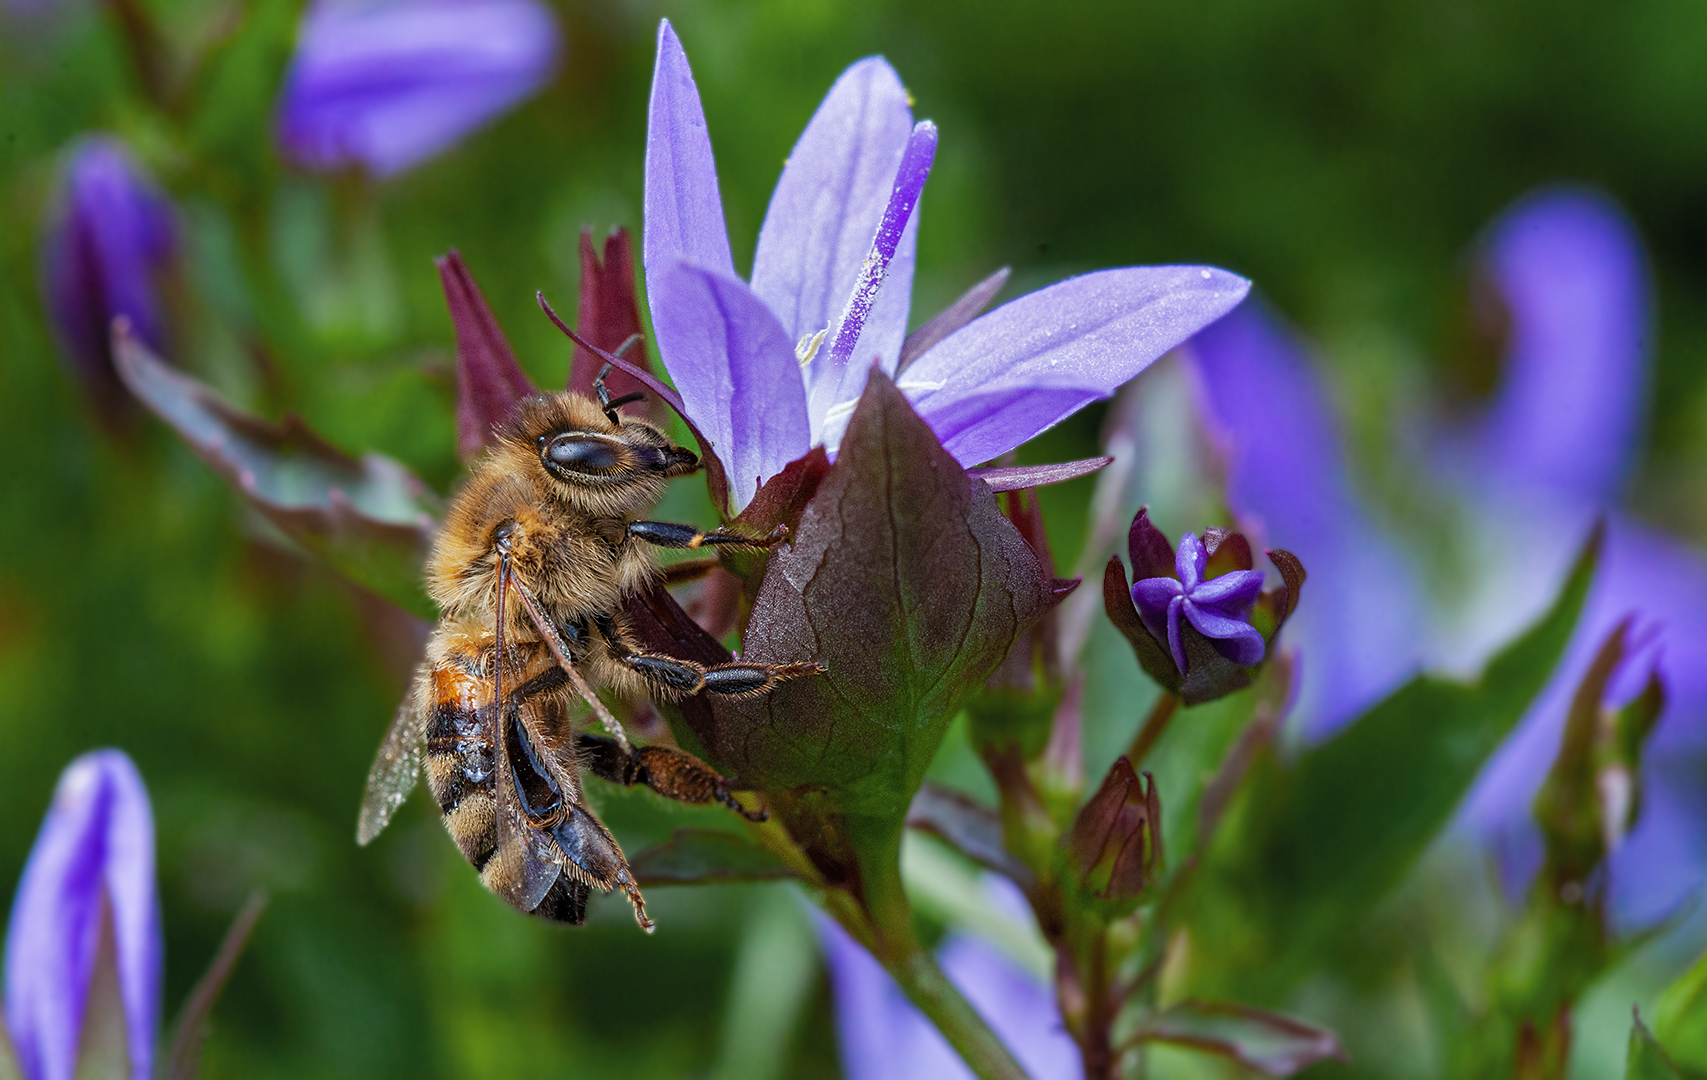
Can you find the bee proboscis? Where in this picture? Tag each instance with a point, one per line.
(537, 556)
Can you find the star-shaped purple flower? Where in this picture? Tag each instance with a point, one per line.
(770, 369)
(1219, 608)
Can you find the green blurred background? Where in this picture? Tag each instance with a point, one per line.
(1342, 154)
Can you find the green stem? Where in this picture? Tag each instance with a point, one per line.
(895, 945)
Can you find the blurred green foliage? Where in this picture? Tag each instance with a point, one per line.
(1341, 154)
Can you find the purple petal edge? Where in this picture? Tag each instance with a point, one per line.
(683, 209)
(830, 198)
(1013, 373)
(95, 851)
(736, 369)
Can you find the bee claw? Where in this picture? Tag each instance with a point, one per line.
(639, 902)
(777, 536)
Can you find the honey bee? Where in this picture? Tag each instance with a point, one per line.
(537, 556)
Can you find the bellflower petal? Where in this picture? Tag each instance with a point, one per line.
(389, 85)
(837, 378)
(684, 211)
(1072, 343)
(832, 195)
(736, 369)
(1176, 637)
(103, 254)
(1569, 411)
(883, 1036)
(93, 859)
(1153, 597)
(1234, 591)
(1359, 635)
(1190, 561)
(1242, 643)
(1017, 1007)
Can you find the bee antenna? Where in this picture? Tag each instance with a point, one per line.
(630, 342)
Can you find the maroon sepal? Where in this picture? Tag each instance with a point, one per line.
(489, 382)
(1116, 842)
(607, 317)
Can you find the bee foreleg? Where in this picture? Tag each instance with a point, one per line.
(668, 535)
(560, 652)
(671, 773)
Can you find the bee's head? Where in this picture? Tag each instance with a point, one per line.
(636, 450)
(593, 462)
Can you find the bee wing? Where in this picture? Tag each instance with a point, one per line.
(395, 769)
(524, 864)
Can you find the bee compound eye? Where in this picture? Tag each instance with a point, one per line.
(588, 455)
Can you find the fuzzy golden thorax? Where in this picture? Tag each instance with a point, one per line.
(562, 482)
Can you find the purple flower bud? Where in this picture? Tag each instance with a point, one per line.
(388, 85)
(108, 242)
(1219, 608)
(89, 881)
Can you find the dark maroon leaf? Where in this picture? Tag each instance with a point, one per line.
(1153, 656)
(951, 318)
(607, 317)
(370, 520)
(973, 830)
(1292, 574)
(701, 856)
(488, 380)
(1152, 555)
(715, 477)
(1270, 1043)
(905, 580)
(1016, 477)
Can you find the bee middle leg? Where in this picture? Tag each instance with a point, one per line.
(675, 677)
(669, 535)
(674, 774)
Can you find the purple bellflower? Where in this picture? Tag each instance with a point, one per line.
(1220, 607)
(771, 368)
(389, 84)
(1533, 470)
(88, 888)
(1287, 477)
(883, 1036)
(104, 252)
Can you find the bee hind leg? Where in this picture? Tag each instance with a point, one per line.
(673, 774)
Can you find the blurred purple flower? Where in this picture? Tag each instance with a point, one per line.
(89, 882)
(388, 84)
(769, 370)
(1361, 633)
(1220, 608)
(1534, 469)
(883, 1036)
(106, 245)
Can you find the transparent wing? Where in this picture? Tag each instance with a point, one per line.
(395, 769)
(526, 858)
